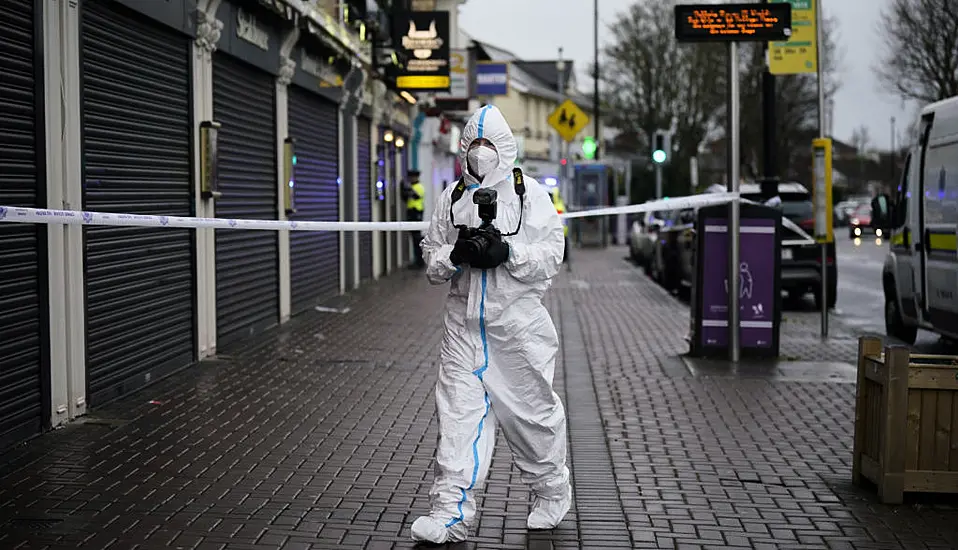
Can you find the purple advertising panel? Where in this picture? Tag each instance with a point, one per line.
(757, 254)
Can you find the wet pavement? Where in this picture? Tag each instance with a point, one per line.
(321, 435)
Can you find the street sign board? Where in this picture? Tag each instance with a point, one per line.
(800, 53)
(492, 78)
(822, 190)
(568, 120)
(733, 22)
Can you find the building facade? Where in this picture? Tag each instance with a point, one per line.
(103, 105)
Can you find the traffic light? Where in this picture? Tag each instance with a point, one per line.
(588, 148)
(660, 147)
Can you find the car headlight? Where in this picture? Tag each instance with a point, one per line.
(878, 232)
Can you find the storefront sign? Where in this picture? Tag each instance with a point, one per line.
(458, 76)
(757, 300)
(492, 78)
(422, 38)
(251, 33)
(250, 30)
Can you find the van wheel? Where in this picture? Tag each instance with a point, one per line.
(895, 325)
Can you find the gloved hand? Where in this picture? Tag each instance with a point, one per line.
(496, 253)
(460, 252)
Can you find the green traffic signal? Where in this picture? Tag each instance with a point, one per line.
(588, 148)
(658, 156)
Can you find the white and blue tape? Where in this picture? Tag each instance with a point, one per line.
(17, 214)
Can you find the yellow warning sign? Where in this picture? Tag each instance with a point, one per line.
(568, 119)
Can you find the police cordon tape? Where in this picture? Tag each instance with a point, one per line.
(18, 214)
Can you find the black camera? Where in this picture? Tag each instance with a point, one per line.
(478, 239)
(486, 200)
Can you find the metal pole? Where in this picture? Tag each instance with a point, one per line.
(769, 141)
(821, 133)
(658, 180)
(894, 156)
(733, 208)
(563, 144)
(595, 89)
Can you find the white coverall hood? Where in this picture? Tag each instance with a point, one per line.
(489, 123)
(498, 352)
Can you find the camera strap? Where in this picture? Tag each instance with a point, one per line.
(518, 185)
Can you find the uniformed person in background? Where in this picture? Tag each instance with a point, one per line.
(560, 208)
(415, 195)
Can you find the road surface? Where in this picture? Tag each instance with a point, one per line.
(861, 300)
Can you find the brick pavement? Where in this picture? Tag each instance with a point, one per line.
(321, 436)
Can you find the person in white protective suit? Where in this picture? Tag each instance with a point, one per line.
(498, 352)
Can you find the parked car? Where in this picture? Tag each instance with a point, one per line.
(673, 259)
(801, 260)
(642, 237)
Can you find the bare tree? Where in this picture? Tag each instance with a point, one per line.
(649, 80)
(796, 102)
(920, 61)
(861, 140)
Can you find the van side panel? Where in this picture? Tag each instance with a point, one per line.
(940, 234)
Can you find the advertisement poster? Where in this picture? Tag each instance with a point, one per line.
(757, 254)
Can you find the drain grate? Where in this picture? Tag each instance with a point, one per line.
(32, 525)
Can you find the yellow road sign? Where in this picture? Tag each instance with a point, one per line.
(800, 53)
(568, 119)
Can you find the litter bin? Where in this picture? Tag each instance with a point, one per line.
(760, 277)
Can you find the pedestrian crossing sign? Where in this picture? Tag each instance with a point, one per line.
(568, 119)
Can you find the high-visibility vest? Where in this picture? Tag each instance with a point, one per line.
(414, 203)
(560, 208)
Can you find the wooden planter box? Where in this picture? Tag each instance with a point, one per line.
(906, 421)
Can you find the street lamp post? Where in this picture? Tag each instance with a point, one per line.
(595, 88)
(563, 144)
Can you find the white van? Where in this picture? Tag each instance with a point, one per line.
(920, 276)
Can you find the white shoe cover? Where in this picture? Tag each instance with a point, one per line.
(430, 529)
(548, 513)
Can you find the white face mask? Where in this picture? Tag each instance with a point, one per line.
(482, 160)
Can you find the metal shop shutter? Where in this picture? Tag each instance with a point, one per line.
(364, 159)
(314, 256)
(247, 262)
(136, 159)
(21, 256)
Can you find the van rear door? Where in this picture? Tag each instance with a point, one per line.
(940, 227)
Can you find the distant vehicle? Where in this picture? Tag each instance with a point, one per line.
(844, 211)
(920, 275)
(642, 238)
(860, 223)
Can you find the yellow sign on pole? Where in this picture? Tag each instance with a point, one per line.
(800, 53)
(568, 119)
(822, 190)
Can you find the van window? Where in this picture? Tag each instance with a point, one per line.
(941, 184)
(902, 194)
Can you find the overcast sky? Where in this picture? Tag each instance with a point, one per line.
(536, 29)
